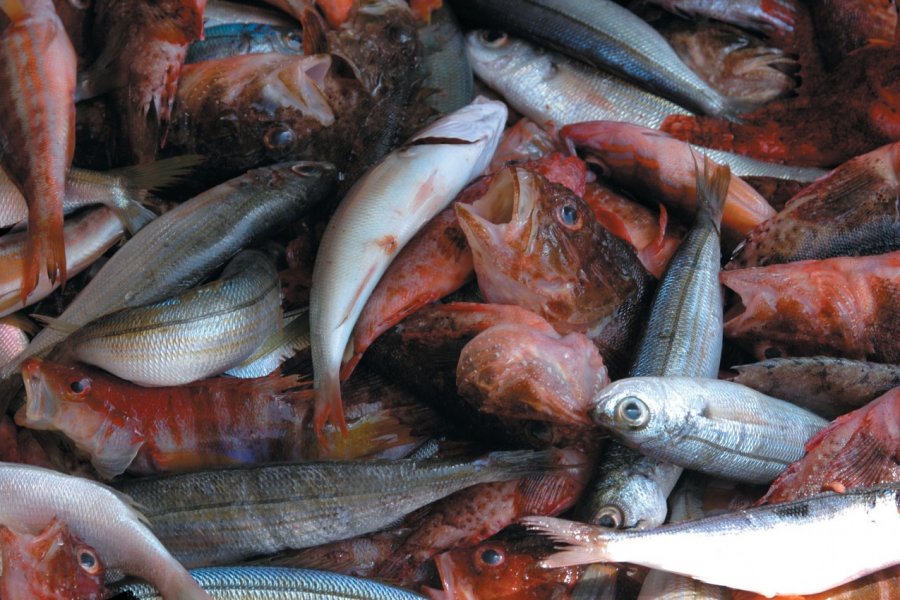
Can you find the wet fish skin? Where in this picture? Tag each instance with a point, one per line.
(825, 385)
(33, 497)
(224, 41)
(781, 544)
(260, 583)
(449, 72)
(608, 36)
(764, 16)
(549, 87)
(225, 12)
(184, 245)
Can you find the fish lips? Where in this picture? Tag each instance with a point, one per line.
(455, 588)
(40, 408)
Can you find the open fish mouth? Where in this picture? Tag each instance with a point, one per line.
(504, 216)
(452, 588)
(38, 410)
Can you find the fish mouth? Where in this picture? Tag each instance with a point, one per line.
(503, 216)
(38, 411)
(453, 588)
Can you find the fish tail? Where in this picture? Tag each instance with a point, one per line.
(329, 409)
(44, 246)
(585, 543)
(521, 463)
(14, 9)
(712, 189)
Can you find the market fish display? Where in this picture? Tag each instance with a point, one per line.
(217, 517)
(37, 127)
(783, 547)
(34, 497)
(50, 565)
(411, 185)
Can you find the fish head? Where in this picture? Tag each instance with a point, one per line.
(52, 565)
(633, 409)
(538, 245)
(493, 53)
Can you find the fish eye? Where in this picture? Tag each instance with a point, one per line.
(88, 561)
(279, 137)
(493, 38)
(610, 516)
(491, 557)
(633, 412)
(293, 40)
(80, 386)
(569, 217)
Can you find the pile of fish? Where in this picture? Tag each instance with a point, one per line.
(475, 300)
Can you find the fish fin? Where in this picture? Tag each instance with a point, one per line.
(598, 582)
(329, 409)
(863, 461)
(277, 348)
(712, 189)
(116, 457)
(659, 243)
(159, 174)
(521, 463)
(585, 543)
(57, 324)
(14, 9)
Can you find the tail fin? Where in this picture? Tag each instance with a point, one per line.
(503, 466)
(712, 189)
(44, 246)
(585, 543)
(329, 409)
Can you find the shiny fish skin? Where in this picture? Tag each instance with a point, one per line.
(744, 166)
(784, 548)
(274, 583)
(33, 497)
(225, 12)
(764, 16)
(716, 427)
(224, 41)
(203, 332)
(218, 517)
(546, 86)
(184, 245)
(449, 72)
(608, 36)
(292, 338)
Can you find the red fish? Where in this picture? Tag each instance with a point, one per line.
(839, 306)
(882, 585)
(37, 127)
(842, 26)
(859, 449)
(52, 565)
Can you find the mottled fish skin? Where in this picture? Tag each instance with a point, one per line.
(764, 16)
(222, 516)
(450, 80)
(825, 385)
(781, 545)
(184, 245)
(550, 88)
(842, 26)
(853, 211)
(716, 427)
(236, 39)
(608, 36)
(264, 583)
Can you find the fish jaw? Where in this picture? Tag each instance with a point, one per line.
(455, 587)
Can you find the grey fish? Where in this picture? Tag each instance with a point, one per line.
(783, 548)
(825, 385)
(744, 166)
(449, 75)
(200, 333)
(222, 516)
(184, 245)
(716, 427)
(268, 583)
(226, 12)
(607, 36)
(546, 86)
(765, 16)
(234, 39)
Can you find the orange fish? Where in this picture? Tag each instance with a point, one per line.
(37, 126)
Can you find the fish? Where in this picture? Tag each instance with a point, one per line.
(827, 386)
(412, 184)
(140, 54)
(226, 12)
(54, 564)
(859, 449)
(851, 211)
(188, 242)
(336, 11)
(657, 166)
(260, 583)
(841, 306)
(844, 26)
(14, 336)
(37, 130)
(202, 332)
(449, 79)
(100, 517)
(538, 245)
(225, 515)
(780, 544)
(523, 141)
(720, 428)
(87, 235)
(764, 16)
(881, 585)
(291, 338)
(608, 36)
(554, 90)
(224, 41)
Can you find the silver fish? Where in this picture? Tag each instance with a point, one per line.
(226, 12)
(783, 548)
(278, 347)
(549, 87)
(223, 41)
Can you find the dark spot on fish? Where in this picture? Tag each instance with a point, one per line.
(772, 352)
(793, 511)
(493, 38)
(430, 141)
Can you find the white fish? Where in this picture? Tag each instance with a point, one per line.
(379, 215)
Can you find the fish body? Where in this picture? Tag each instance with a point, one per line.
(226, 12)
(377, 218)
(552, 89)
(850, 212)
(51, 565)
(607, 36)
(765, 16)
(225, 515)
(844, 306)
(236, 39)
(184, 245)
(34, 497)
(450, 77)
(717, 427)
(842, 26)
(37, 130)
(784, 547)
